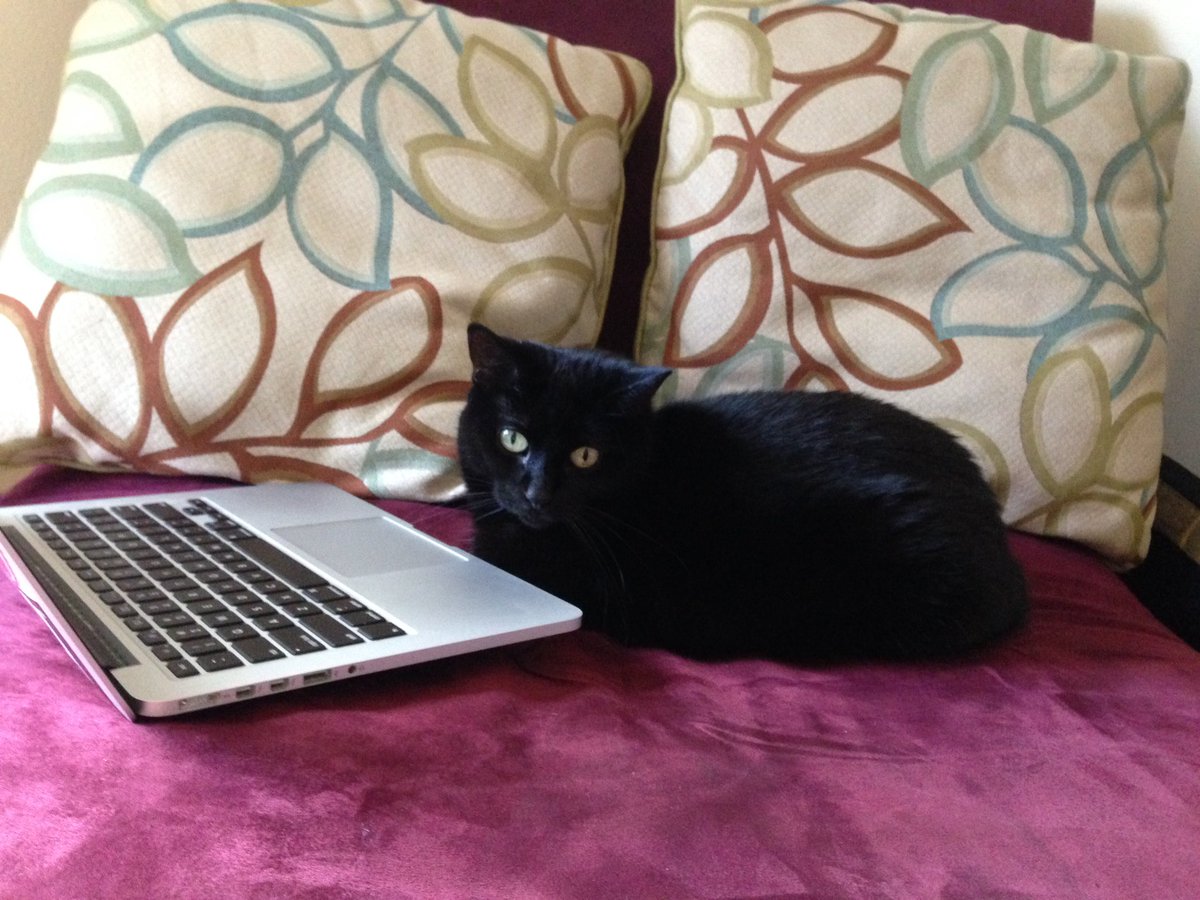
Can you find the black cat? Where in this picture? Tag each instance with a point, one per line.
(784, 524)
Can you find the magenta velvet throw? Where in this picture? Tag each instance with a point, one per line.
(1061, 764)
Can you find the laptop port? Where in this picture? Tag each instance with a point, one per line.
(279, 685)
(317, 677)
(244, 693)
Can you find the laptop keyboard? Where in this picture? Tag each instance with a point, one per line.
(200, 591)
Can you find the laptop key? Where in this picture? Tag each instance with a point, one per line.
(329, 628)
(324, 593)
(273, 622)
(215, 662)
(296, 641)
(206, 607)
(159, 606)
(220, 619)
(362, 617)
(181, 668)
(166, 652)
(202, 646)
(381, 630)
(284, 567)
(239, 631)
(187, 632)
(258, 649)
(192, 595)
(175, 619)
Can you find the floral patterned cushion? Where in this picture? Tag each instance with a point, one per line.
(962, 217)
(258, 232)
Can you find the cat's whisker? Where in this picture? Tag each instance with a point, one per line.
(606, 561)
(616, 526)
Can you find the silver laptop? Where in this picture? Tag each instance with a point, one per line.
(178, 602)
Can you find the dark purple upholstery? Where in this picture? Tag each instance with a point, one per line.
(1060, 764)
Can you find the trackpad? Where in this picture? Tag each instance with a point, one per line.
(366, 546)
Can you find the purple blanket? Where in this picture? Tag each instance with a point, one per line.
(1061, 764)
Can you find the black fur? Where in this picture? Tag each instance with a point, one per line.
(785, 524)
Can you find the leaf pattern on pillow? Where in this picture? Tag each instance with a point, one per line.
(273, 221)
(514, 179)
(963, 217)
(203, 391)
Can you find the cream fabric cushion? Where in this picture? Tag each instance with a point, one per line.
(259, 231)
(961, 217)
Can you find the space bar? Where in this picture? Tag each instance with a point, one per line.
(280, 564)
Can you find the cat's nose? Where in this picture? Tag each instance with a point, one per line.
(538, 495)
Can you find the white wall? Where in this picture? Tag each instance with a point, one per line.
(33, 40)
(1173, 27)
(33, 45)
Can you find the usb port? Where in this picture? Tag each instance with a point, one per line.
(316, 677)
(244, 693)
(279, 685)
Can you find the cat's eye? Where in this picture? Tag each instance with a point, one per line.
(513, 441)
(585, 457)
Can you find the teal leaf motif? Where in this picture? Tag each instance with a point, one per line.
(974, 68)
(190, 160)
(304, 60)
(86, 97)
(394, 106)
(449, 29)
(762, 362)
(1047, 105)
(1079, 329)
(1152, 108)
(102, 234)
(109, 24)
(337, 173)
(992, 297)
(1130, 182)
(362, 14)
(1043, 203)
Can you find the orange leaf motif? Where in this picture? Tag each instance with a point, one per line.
(26, 326)
(798, 118)
(803, 199)
(733, 274)
(574, 104)
(423, 434)
(184, 351)
(96, 405)
(363, 335)
(806, 31)
(256, 468)
(882, 342)
(739, 186)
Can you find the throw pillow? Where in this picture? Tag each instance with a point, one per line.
(962, 217)
(258, 233)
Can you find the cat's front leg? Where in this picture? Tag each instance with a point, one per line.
(550, 558)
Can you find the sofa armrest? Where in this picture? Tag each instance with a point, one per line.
(1168, 582)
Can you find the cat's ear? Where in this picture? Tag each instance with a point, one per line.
(492, 360)
(642, 384)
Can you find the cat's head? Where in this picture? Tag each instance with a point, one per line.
(549, 433)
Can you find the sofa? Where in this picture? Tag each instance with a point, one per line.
(1061, 762)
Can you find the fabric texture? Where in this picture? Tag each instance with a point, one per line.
(963, 217)
(1060, 764)
(259, 230)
